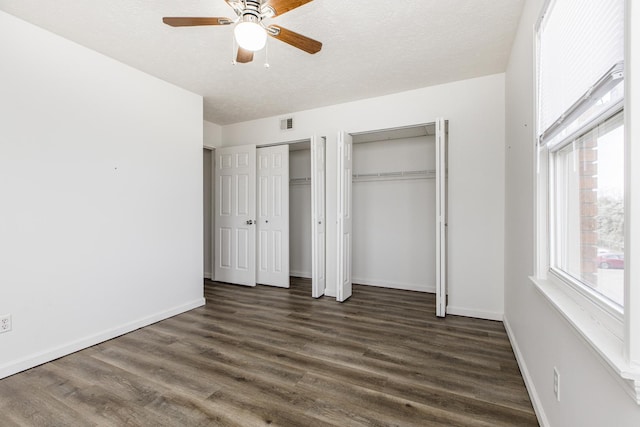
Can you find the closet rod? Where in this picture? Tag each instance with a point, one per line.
(378, 176)
(299, 181)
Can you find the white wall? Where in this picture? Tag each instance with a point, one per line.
(541, 337)
(394, 220)
(475, 109)
(101, 193)
(212, 135)
(300, 214)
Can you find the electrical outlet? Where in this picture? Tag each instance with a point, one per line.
(5, 323)
(556, 383)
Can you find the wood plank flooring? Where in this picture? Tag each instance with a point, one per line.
(269, 356)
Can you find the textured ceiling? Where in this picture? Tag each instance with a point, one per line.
(370, 48)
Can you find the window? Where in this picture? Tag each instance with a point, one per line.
(581, 135)
(586, 246)
(588, 211)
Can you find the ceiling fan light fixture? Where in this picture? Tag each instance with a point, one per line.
(250, 36)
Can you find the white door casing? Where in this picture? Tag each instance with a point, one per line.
(345, 217)
(235, 210)
(318, 280)
(441, 218)
(273, 216)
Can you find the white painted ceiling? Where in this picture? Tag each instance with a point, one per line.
(370, 48)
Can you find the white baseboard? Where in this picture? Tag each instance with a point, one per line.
(395, 285)
(208, 276)
(303, 274)
(66, 349)
(531, 388)
(470, 312)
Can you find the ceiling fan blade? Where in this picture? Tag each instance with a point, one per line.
(278, 7)
(294, 39)
(244, 56)
(190, 22)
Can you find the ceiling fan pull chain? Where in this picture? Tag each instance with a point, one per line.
(233, 51)
(266, 55)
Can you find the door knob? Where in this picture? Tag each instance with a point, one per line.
(249, 222)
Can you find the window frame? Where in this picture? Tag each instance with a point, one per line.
(612, 334)
(609, 309)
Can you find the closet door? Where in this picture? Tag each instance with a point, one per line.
(345, 219)
(235, 250)
(318, 281)
(273, 216)
(441, 218)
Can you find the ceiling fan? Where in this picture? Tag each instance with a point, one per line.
(250, 31)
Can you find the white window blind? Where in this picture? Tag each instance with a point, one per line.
(581, 55)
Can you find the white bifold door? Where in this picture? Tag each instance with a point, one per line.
(273, 216)
(252, 221)
(235, 230)
(345, 217)
(441, 217)
(318, 236)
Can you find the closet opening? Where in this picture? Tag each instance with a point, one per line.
(306, 214)
(300, 258)
(394, 209)
(207, 205)
(395, 232)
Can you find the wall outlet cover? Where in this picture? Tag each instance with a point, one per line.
(5, 323)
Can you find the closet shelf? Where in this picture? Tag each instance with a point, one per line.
(394, 176)
(300, 181)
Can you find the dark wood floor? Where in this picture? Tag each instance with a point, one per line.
(260, 356)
